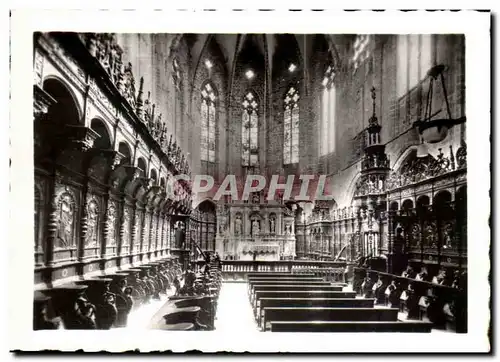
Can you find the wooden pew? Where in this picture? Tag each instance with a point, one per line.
(297, 314)
(298, 294)
(278, 275)
(311, 279)
(352, 326)
(292, 287)
(312, 302)
(303, 286)
(252, 284)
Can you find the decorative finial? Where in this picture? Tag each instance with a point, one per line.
(373, 119)
(374, 96)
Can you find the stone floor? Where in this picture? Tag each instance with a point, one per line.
(234, 311)
(144, 316)
(234, 314)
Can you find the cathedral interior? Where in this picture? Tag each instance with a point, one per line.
(122, 242)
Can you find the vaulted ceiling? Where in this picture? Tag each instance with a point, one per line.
(231, 46)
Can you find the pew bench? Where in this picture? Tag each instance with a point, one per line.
(312, 302)
(293, 287)
(270, 279)
(251, 285)
(295, 314)
(350, 326)
(279, 275)
(285, 280)
(298, 294)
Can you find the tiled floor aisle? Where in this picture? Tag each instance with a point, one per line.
(234, 313)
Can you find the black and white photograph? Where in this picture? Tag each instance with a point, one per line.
(233, 188)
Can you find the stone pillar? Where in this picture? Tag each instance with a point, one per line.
(265, 228)
(390, 240)
(247, 225)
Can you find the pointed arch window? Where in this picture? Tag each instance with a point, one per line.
(249, 131)
(176, 73)
(291, 127)
(328, 119)
(176, 94)
(361, 51)
(414, 60)
(208, 109)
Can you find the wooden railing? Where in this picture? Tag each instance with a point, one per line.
(238, 269)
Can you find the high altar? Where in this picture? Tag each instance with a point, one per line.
(255, 230)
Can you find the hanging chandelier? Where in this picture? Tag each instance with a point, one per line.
(432, 128)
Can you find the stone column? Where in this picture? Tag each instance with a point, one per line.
(390, 239)
(265, 228)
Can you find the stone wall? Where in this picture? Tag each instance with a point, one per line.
(354, 105)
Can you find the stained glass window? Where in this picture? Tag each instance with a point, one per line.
(328, 103)
(176, 73)
(176, 94)
(361, 50)
(414, 60)
(291, 127)
(208, 123)
(249, 131)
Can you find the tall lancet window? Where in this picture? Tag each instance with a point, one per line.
(361, 50)
(328, 121)
(414, 60)
(176, 90)
(208, 98)
(291, 127)
(249, 131)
